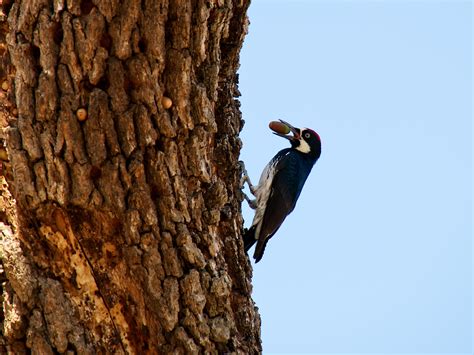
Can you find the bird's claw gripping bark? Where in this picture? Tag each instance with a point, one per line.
(246, 179)
(252, 203)
(243, 171)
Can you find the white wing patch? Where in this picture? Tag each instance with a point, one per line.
(262, 193)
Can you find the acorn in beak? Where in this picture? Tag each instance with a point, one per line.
(283, 128)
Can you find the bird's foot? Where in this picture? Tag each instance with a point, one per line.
(252, 203)
(245, 179)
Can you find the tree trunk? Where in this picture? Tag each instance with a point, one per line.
(120, 218)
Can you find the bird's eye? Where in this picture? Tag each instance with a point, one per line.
(307, 135)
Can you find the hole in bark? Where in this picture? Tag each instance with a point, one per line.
(71, 348)
(86, 6)
(31, 223)
(103, 83)
(6, 6)
(106, 41)
(73, 277)
(36, 53)
(87, 85)
(154, 192)
(127, 85)
(142, 45)
(57, 33)
(226, 212)
(95, 172)
(159, 145)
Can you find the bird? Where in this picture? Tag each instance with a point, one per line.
(280, 184)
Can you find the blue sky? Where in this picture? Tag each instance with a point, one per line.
(377, 256)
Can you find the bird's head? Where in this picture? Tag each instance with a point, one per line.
(304, 140)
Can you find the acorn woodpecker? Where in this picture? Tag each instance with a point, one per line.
(280, 184)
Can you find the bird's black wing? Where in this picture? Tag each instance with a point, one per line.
(286, 187)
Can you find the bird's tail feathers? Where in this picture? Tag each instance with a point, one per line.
(259, 249)
(249, 238)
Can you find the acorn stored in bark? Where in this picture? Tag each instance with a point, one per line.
(81, 114)
(5, 85)
(166, 102)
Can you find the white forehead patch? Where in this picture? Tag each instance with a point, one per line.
(304, 146)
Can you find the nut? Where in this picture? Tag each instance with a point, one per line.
(279, 127)
(81, 114)
(166, 102)
(5, 85)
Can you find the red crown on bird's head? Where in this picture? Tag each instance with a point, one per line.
(313, 132)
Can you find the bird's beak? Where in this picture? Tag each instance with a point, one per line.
(296, 132)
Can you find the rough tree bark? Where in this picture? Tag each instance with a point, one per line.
(121, 232)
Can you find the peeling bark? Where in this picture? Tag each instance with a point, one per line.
(121, 230)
